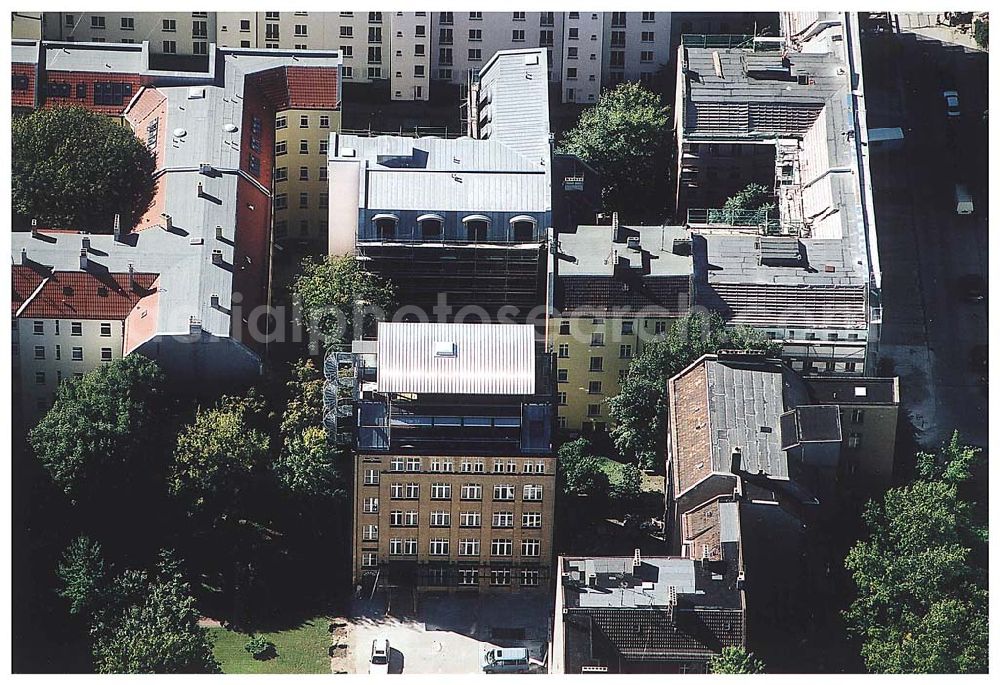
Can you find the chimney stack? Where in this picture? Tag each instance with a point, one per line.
(194, 326)
(636, 560)
(217, 257)
(737, 462)
(34, 228)
(24, 256)
(86, 243)
(215, 301)
(615, 230)
(131, 276)
(201, 190)
(218, 232)
(118, 228)
(84, 262)
(168, 221)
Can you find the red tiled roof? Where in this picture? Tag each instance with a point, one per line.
(692, 444)
(25, 281)
(312, 87)
(87, 79)
(23, 98)
(84, 295)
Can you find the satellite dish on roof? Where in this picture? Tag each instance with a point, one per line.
(180, 132)
(229, 128)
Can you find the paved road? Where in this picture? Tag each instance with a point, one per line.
(925, 247)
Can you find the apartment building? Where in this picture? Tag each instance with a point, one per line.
(204, 240)
(456, 222)
(169, 33)
(455, 471)
(26, 25)
(652, 614)
(785, 112)
(616, 288)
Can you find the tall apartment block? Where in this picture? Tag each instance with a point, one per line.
(455, 470)
(182, 285)
(788, 113)
(408, 51)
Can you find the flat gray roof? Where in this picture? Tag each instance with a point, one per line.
(619, 585)
(593, 250)
(454, 358)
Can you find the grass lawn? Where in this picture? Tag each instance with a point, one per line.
(613, 469)
(300, 650)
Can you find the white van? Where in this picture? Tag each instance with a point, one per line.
(505, 660)
(963, 199)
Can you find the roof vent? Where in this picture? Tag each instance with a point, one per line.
(636, 559)
(531, 60)
(206, 170)
(196, 92)
(67, 291)
(348, 152)
(86, 243)
(217, 257)
(102, 291)
(84, 262)
(445, 348)
(180, 132)
(230, 128)
(829, 268)
(860, 391)
(682, 247)
(633, 244)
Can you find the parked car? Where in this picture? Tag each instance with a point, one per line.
(505, 660)
(972, 288)
(951, 102)
(379, 662)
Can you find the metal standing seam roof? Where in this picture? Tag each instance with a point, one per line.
(489, 359)
(514, 90)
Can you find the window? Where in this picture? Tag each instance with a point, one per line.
(39, 328)
(439, 465)
(430, 226)
(618, 20)
(624, 351)
(374, 34)
(199, 29)
(369, 559)
(40, 377)
(564, 328)
(105, 354)
(200, 47)
(597, 339)
(272, 16)
(534, 467)
(70, 20)
(473, 466)
(301, 30)
(854, 440)
(304, 227)
(647, 37)
(503, 519)
(281, 201)
(475, 16)
(593, 410)
(440, 491)
(97, 22)
(850, 367)
(169, 47)
(594, 388)
(324, 146)
(303, 173)
(547, 19)
(370, 505)
(502, 547)
(468, 576)
(476, 229)
(374, 54)
(532, 493)
(597, 363)
(280, 123)
(563, 351)
(648, 17)
(303, 200)
(530, 548)
(561, 399)
(77, 354)
(574, 34)
(531, 519)
(470, 519)
(475, 55)
(385, 226)
(475, 34)
(58, 352)
(169, 25)
(572, 53)
(395, 546)
(413, 464)
(280, 174)
(468, 547)
(322, 173)
(375, 17)
(529, 578)
(244, 25)
(418, 71)
(503, 493)
(646, 56)
(618, 41)
(439, 546)
(519, 16)
(397, 464)
(571, 73)
(659, 327)
(76, 328)
(469, 491)
(500, 577)
(128, 24)
(324, 121)
(346, 32)
(303, 147)
(517, 36)
(369, 532)
(546, 38)
(441, 519)
(858, 416)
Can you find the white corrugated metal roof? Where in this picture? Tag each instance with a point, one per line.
(489, 359)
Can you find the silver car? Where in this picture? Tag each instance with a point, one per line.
(379, 662)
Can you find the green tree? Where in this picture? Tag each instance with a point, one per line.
(327, 290)
(754, 196)
(81, 575)
(628, 485)
(216, 456)
(921, 604)
(639, 408)
(150, 625)
(624, 137)
(735, 660)
(981, 32)
(75, 169)
(101, 434)
(304, 403)
(307, 465)
(580, 470)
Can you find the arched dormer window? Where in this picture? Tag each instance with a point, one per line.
(477, 227)
(523, 228)
(385, 226)
(431, 226)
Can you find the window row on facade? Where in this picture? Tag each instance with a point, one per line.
(444, 519)
(468, 492)
(447, 465)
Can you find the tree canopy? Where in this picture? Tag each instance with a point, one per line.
(735, 660)
(581, 470)
(921, 604)
(639, 408)
(308, 465)
(101, 433)
(71, 168)
(150, 625)
(326, 291)
(81, 575)
(981, 33)
(754, 196)
(624, 137)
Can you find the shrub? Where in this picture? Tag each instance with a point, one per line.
(260, 648)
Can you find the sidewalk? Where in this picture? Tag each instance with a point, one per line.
(928, 24)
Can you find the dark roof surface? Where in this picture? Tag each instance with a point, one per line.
(854, 390)
(818, 423)
(597, 295)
